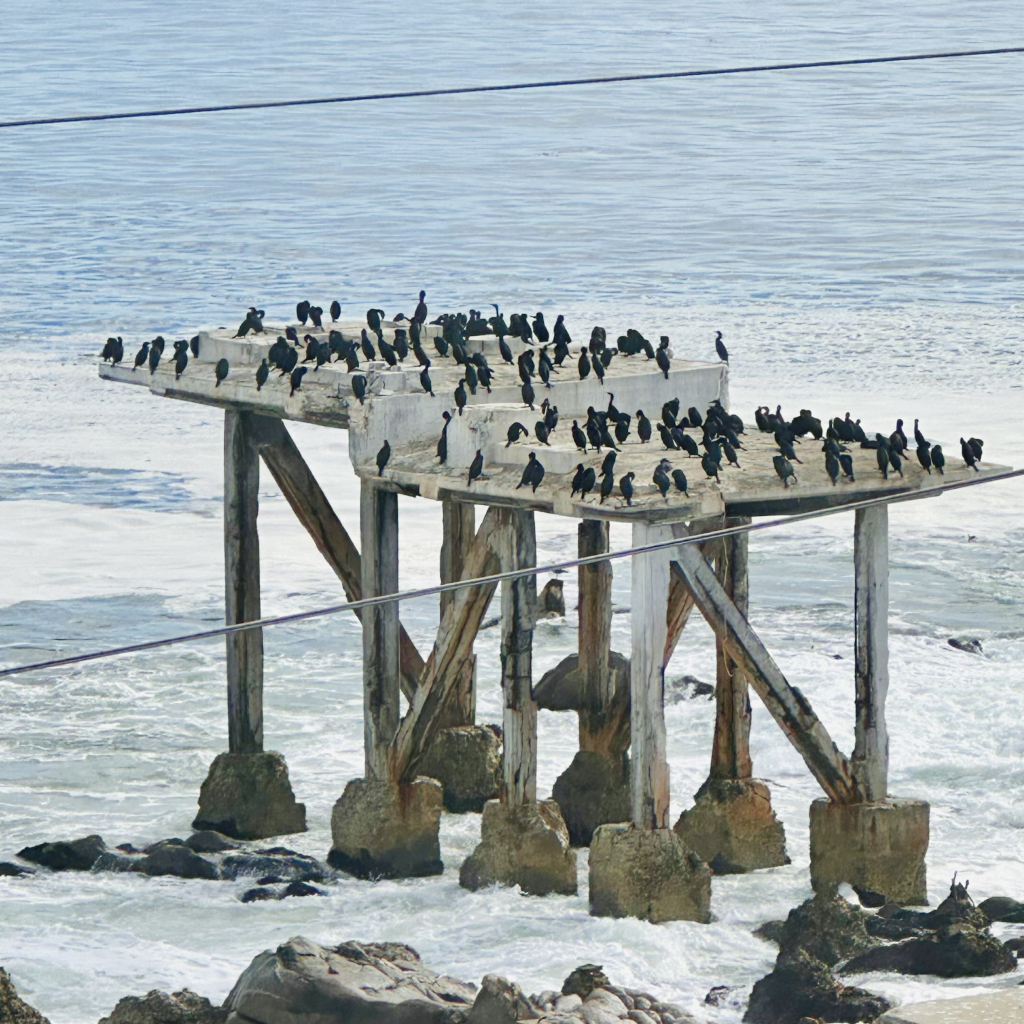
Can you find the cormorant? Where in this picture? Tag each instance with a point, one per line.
(785, 469)
(584, 363)
(359, 387)
(476, 468)
(382, 457)
(882, 455)
(262, 374)
(528, 395)
(323, 354)
(903, 437)
(471, 378)
(938, 459)
(335, 310)
(666, 437)
(832, 467)
(540, 329)
(154, 358)
(924, 456)
(516, 431)
(622, 427)
(460, 395)
(609, 463)
(387, 352)
(694, 416)
(425, 382)
(221, 370)
(587, 482)
(316, 315)
(290, 333)
(369, 352)
(181, 362)
(730, 454)
(895, 461)
(786, 447)
(846, 461)
(141, 356)
(710, 465)
(626, 487)
(420, 315)
(919, 438)
(550, 414)
(540, 428)
(401, 344)
(288, 361)
(687, 444)
(679, 477)
(533, 474)
(723, 352)
(578, 437)
(607, 483)
(442, 442)
(302, 312)
(661, 357)
(966, 450)
(643, 427)
(296, 379)
(976, 444)
(661, 480)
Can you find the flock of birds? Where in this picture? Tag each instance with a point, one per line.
(717, 432)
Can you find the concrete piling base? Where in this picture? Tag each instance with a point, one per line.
(647, 873)
(592, 791)
(387, 831)
(733, 828)
(466, 760)
(526, 846)
(877, 848)
(249, 796)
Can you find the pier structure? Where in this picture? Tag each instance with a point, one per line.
(615, 794)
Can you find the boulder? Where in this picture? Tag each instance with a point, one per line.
(76, 855)
(592, 791)
(157, 1007)
(647, 873)
(361, 983)
(301, 889)
(209, 841)
(275, 862)
(111, 860)
(175, 858)
(466, 760)
(733, 828)
(1002, 908)
(526, 846)
(385, 831)
(561, 688)
(13, 1009)
(259, 894)
(771, 931)
(829, 930)
(551, 600)
(10, 870)
(957, 951)
(583, 980)
(891, 928)
(499, 1001)
(249, 796)
(801, 986)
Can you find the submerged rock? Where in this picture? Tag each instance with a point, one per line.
(687, 688)
(969, 645)
(76, 855)
(1002, 908)
(156, 1007)
(278, 862)
(592, 791)
(174, 858)
(13, 1009)
(829, 930)
(9, 870)
(208, 841)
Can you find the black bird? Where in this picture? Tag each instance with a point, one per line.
(938, 459)
(420, 316)
(221, 370)
(898, 442)
(587, 482)
(832, 467)
(154, 358)
(966, 450)
(351, 359)
(296, 379)
(669, 411)
(335, 310)
(661, 480)
(382, 457)
(516, 431)
(442, 443)
(528, 395)
(723, 352)
(117, 351)
(609, 463)
(421, 357)
(846, 461)
(533, 474)
(545, 373)
(607, 484)
(369, 352)
(262, 374)
(550, 414)
(425, 382)
(401, 345)
(578, 437)
(181, 362)
(290, 333)
(316, 315)
(895, 461)
(679, 477)
(471, 378)
(540, 428)
(540, 329)
(561, 337)
(710, 465)
(302, 312)
(108, 349)
(387, 352)
(693, 415)
(903, 437)
(661, 358)
(477, 467)
(141, 356)
(622, 428)
(626, 488)
(460, 395)
(584, 363)
(506, 352)
(919, 438)
(598, 368)
(311, 348)
(594, 434)
(785, 469)
(359, 387)
(323, 354)
(577, 479)
(686, 443)
(858, 432)
(730, 454)
(882, 455)
(288, 360)
(643, 426)
(976, 444)
(666, 437)
(373, 320)
(526, 367)
(924, 456)
(786, 447)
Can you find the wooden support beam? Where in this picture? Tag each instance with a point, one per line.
(518, 613)
(680, 600)
(594, 636)
(786, 703)
(311, 507)
(457, 535)
(454, 646)
(871, 618)
(730, 751)
(378, 515)
(242, 584)
(648, 759)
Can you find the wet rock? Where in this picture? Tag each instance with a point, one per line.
(771, 931)
(156, 1007)
(869, 899)
(10, 870)
(551, 600)
(110, 860)
(277, 862)
(301, 889)
(687, 688)
(270, 880)
(500, 1001)
(718, 995)
(466, 760)
(128, 848)
(174, 858)
(957, 908)
(829, 930)
(209, 841)
(1015, 945)
(561, 688)
(13, 1009)
(966, 644)
(76, 855)
(367, 982)
(957, 951)
(1002, 908)
(892, 928)
(583, 980)
(259, 894)
(801, 986)
(592, 791)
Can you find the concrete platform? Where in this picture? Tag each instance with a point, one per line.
(1004, 1007)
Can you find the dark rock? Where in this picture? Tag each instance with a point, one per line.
(551, 600)
(957, 951)
(286, 865)
(687, 688)
(868, 898)
(957, 908)
(592, 791)
(718, 995)
(367, 983)
(157, 1007)
(499, 1001)
(76, 855)
(1002, 908)
(109, 860)
(209, 841)
(161, 843)
(801, 986)
(466, 760)
(1015, 945)
(259, 894)
(128, 848)
(583, 980)
(561, 688)
(892, 928)
(178, 860)
(9, 870)
(829, 930)
(269, 880)
(888, 909)
(13, 1009)
(968, 645)
(301, 889)
(771, 931)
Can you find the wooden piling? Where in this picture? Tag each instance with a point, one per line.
(457, 536)
(649, 761)
(518, 612)
(381, 662)
(595, 642)
(871, 615)
(242, 584)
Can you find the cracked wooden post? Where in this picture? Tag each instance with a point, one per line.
(522, 841)
(732, 825)
(458, 533)
(247, 793)
(643, 869)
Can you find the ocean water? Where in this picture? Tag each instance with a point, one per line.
(856, 235)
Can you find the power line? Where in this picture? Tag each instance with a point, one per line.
(443, 588)
(509, 87)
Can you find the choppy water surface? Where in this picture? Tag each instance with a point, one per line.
(857, 236)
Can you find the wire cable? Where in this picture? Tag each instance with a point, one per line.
(495, 578)
(508, 87)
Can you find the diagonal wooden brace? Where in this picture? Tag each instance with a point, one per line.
(786, 703)
(313, 510)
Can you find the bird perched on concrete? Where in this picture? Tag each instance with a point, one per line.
(323, 355)
(784, 468)
(108, 349)
(369, 352)
(401, 344)
(288, 360)
(643, 427)
(607, 485)
(387, 352)
(382, 457)
(420, 314)
(540, 329)
(598, 367)
(578, 437)
(290, 333)
(587, 482)
(302, 312)
(710, 465)
(977, 445)
(180, 362)
(919, 438)
(460, 395)
(584, 363)
(498, 325)
(609, 463)
(832, 467)
(626, 487)
(938, 459)
(442, 443)
(335, 310)
(540, 428)
(622, 427)
(316, 314)
(141, 356)
(476, 467)
(902, 436)
(968, 453)
(786, 447)
(296, 379)
(694, 416)
(154, 358)
(425, 382)
(550, 414)
(359, 388)
(311, 348)
(895, 461)
(471, 378)
(924, 456)
(262, 373)
(593, 429)
(685, 442)
(562, 340)
(679, 478)
(515, 431)
(882, 454)
(723, 352)
(666, 437)
(661, 357)
(846, 461)
(577, 479)
(660, 478)
(528, 395)
(533, 474)
(730, 454)
(221, 371)
(373, 321)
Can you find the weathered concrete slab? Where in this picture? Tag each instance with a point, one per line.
(1005, 1007)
